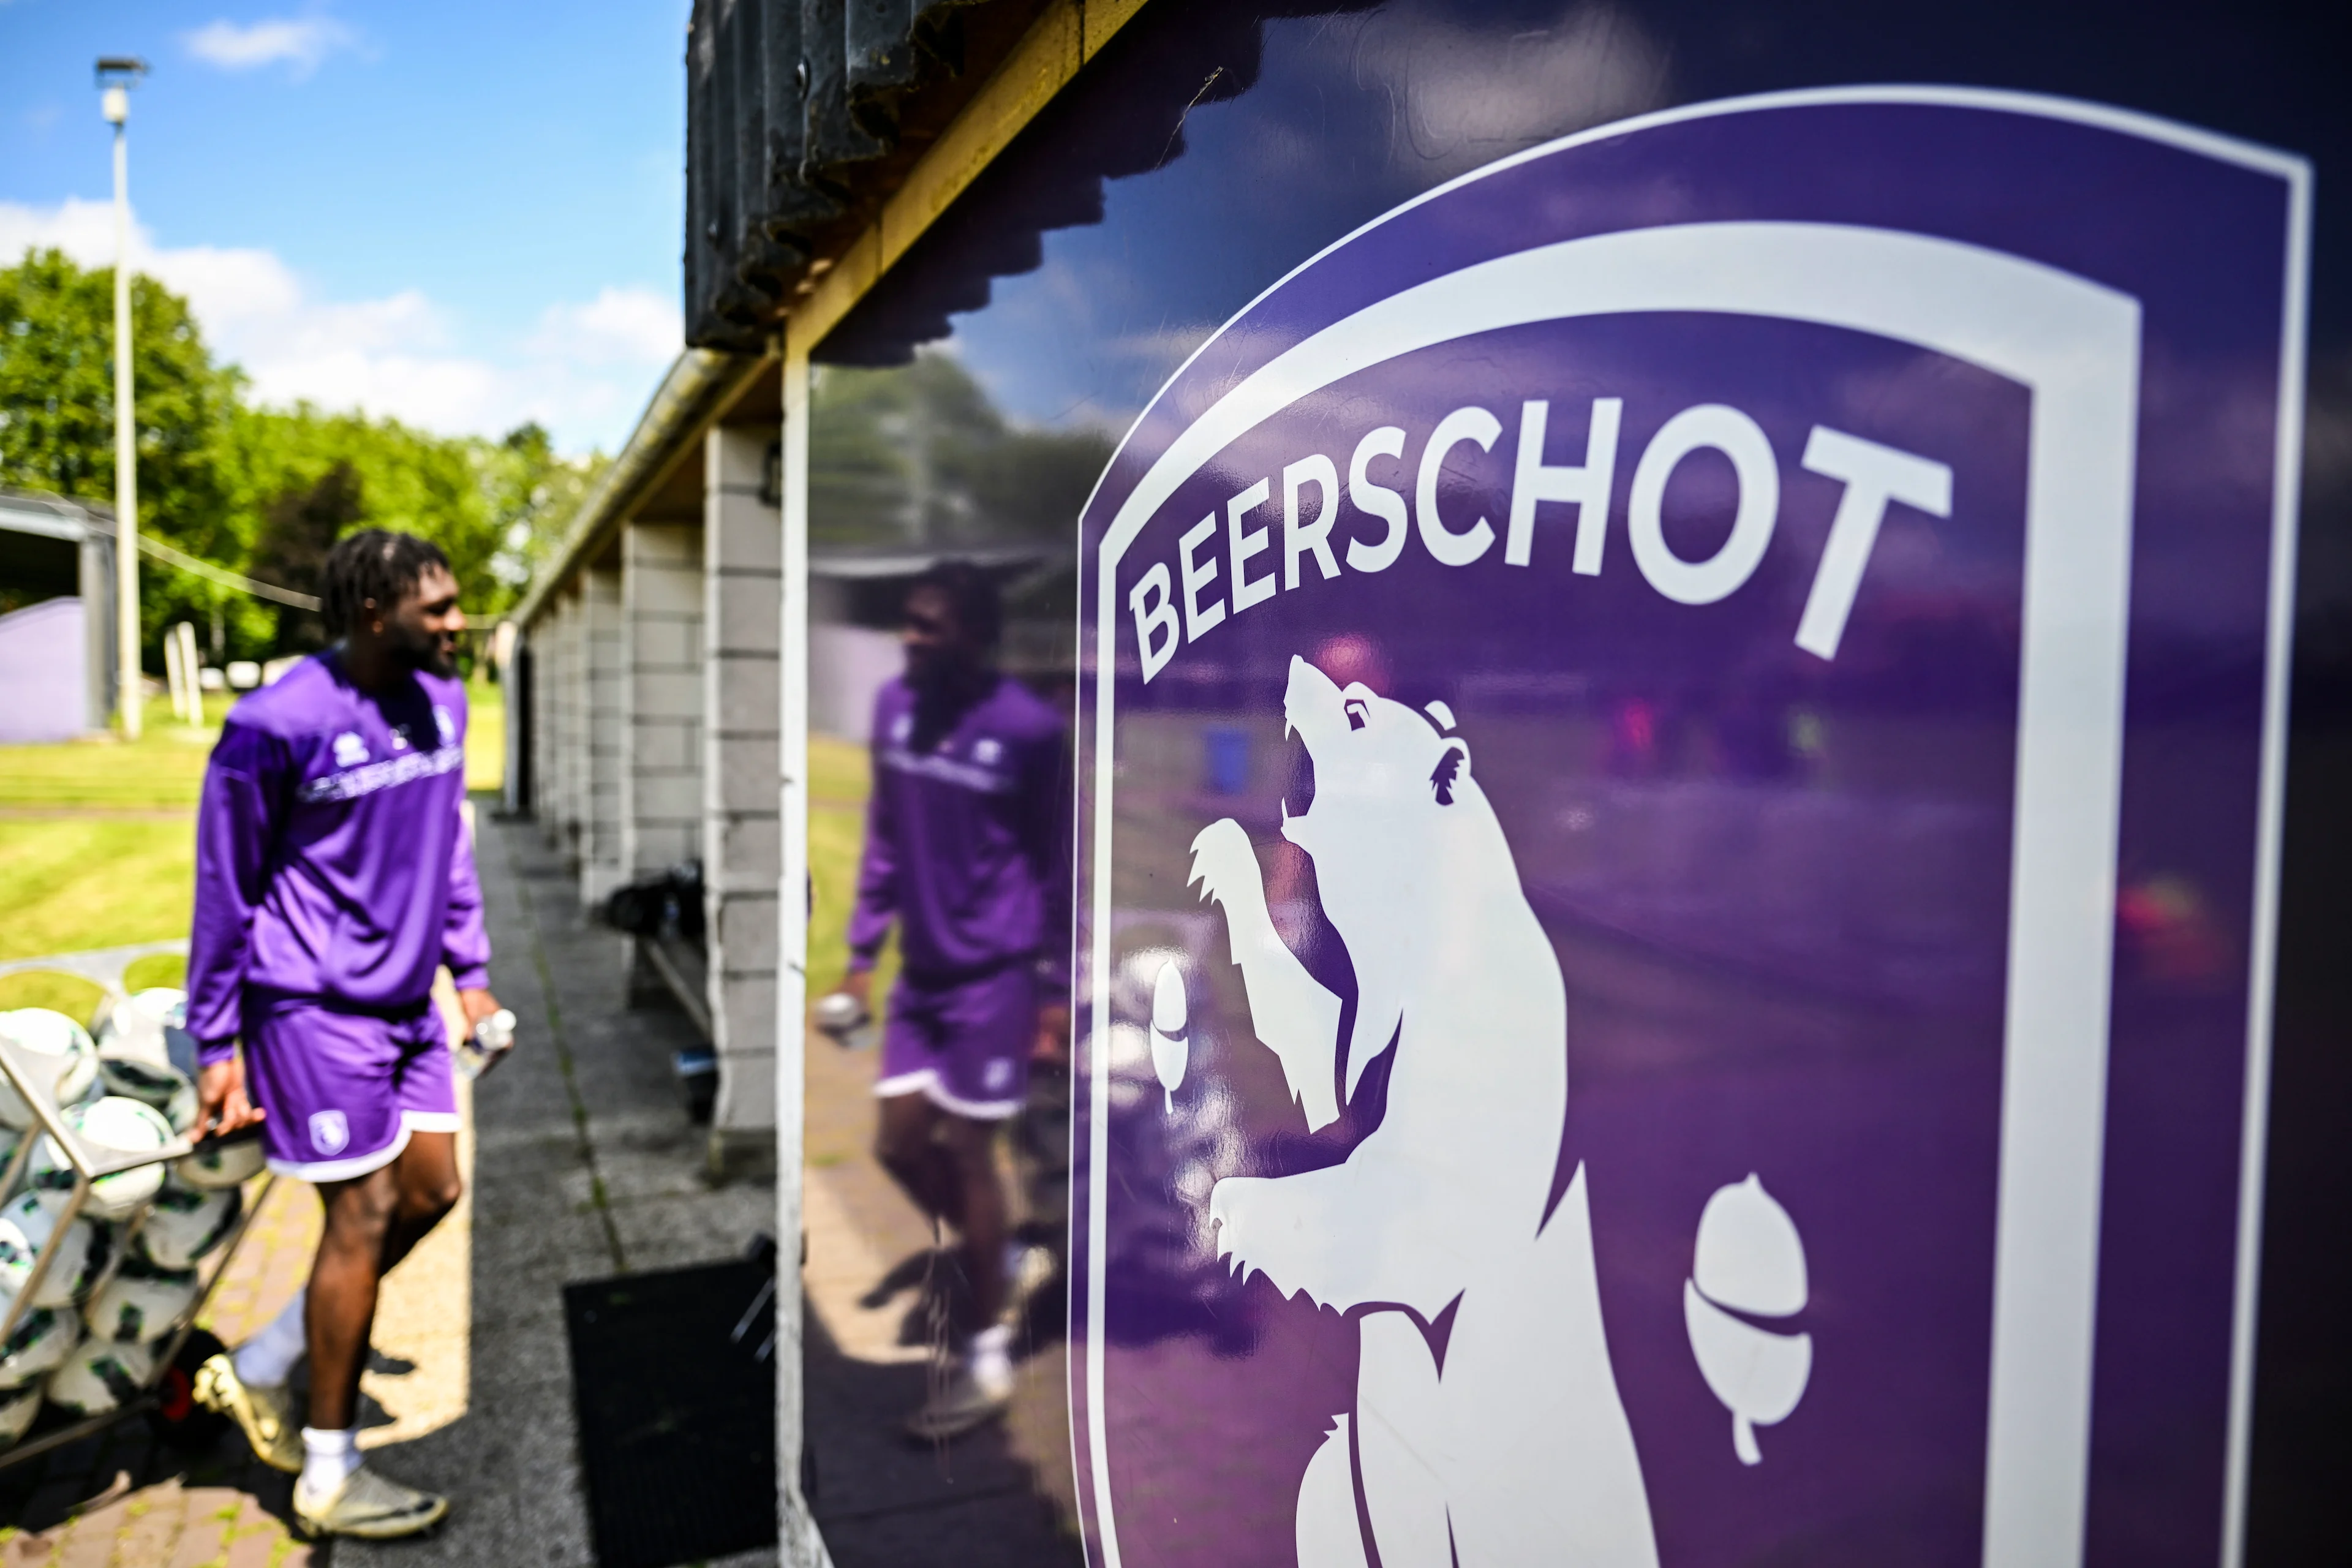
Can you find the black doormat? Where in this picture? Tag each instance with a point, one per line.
(678, 1411)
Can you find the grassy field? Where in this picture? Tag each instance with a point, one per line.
(97, 843)
(837, 789)
(98, 846)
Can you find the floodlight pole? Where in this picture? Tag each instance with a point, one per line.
(117, 108)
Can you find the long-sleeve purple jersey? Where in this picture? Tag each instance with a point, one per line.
(968, 844)
(331, 863)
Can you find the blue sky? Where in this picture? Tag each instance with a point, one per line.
(464, 216)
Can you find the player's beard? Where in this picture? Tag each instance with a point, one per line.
(423, 650)
(946, 683)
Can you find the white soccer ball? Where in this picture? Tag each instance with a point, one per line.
(143, 1026)
(112, 1125)
(187, 1222)
(46, 1042)
(140, 1303)
(45, 1336)
(157, 1084)
(17, 1408)
(215, 1164)
(100, 1376)
(17, 1255)
(81, 1249)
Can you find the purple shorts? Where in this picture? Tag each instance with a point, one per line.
(965, 1046)
(343, 1090)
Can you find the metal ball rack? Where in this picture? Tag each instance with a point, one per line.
(90, 1162)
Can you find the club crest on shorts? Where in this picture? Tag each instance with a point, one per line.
(330, 1133)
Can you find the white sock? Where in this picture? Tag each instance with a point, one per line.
(326, 1458)
(263, 1361)
(990, 1353)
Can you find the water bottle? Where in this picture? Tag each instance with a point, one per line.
(492, 1038)
(844, 1020)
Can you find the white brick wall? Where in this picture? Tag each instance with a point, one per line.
(560, 671)
(661, 602)
(601, 868)
(743, 540)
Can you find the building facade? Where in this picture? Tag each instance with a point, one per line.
(1173, 313)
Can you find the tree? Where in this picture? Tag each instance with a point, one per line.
(262, 492)
(57, 395)
(57, 416)
(301, 527)
(534, 494)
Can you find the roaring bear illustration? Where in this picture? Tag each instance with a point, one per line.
(1512, 1446)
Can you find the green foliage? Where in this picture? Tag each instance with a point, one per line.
(534, 494)
(56, 392)
(262, 492)
(918, 457)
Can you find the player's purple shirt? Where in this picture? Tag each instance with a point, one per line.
(331, 862)
(968, 845)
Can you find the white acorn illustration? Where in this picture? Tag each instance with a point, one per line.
(1749, 1259)
(1170, 1042)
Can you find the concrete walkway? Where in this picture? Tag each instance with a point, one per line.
(585, 1166)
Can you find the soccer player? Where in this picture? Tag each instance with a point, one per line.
(333, 879)
(967, 849)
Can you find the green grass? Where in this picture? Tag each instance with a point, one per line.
(97, 843)
(838, 783)
(111, 858)
(486, 735)
(70, 883)
(162, 771)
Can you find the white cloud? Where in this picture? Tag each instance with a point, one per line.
(583, 370)
(301, 42)
(619, 326)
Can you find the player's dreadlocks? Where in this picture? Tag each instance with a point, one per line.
(374, 564)
(979, 605)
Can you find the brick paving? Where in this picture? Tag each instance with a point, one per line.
(122, 1499)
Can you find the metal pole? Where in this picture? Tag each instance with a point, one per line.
(126, 439)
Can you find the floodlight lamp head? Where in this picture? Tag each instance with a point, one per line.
(118, 74)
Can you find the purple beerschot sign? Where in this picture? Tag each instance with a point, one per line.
(1680, 788)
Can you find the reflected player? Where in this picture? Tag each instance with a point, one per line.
(967, 850)
(333, 877)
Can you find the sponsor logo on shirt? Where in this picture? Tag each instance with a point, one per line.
(400, 770)
(330, 1133)
(350, 750)
(947, 770)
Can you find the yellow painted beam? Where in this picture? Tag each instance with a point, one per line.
(1048, 55)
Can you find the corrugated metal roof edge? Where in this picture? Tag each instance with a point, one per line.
(700, 386)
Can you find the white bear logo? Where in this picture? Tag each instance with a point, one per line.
(1515, 1447)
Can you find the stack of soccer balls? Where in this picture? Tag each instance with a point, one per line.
(92, 1324)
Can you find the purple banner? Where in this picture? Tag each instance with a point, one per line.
(1679, 812)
